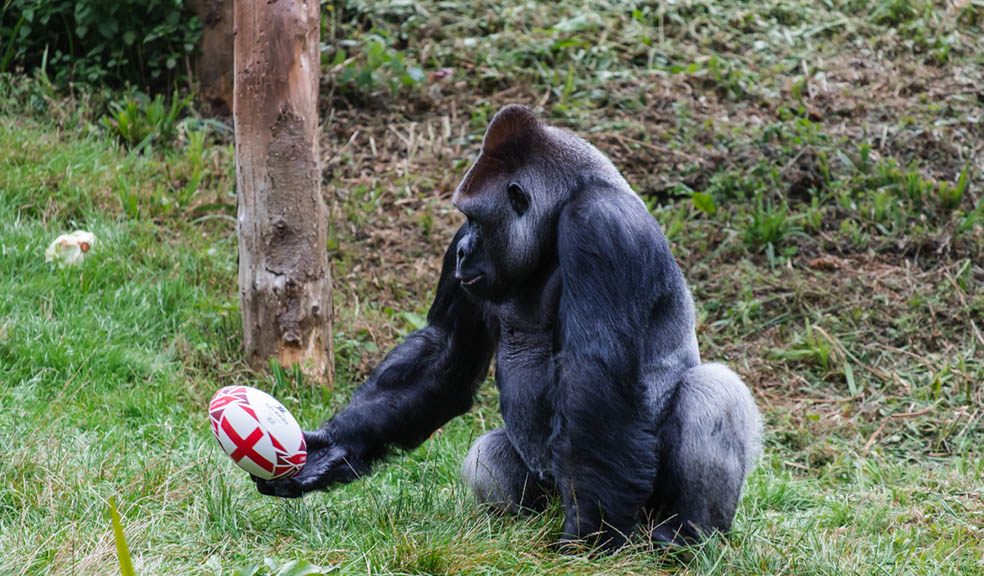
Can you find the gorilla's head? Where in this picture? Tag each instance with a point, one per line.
(512, 196)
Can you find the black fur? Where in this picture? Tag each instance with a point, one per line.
(420, 385)
(562, 273)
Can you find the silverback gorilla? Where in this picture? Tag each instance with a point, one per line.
(564, 277)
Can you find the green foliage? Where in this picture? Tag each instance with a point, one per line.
(897, 12)
(767, 224)
(886, 189)
(729, 77)
(375, 66)
(187, 172)
(951, 195)
(810, 347)
(140, 122)
(140, 42)
(285, 379)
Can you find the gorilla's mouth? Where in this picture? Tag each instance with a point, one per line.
(471, 280)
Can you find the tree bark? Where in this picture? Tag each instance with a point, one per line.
(284, 278)
(214, 67)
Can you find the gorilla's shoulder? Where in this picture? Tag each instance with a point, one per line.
(607, 229)
(606, 209)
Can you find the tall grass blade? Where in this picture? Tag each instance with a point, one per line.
(122, 551)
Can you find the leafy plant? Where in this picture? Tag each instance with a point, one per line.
(810, 347)
(188, 171)
(813, 215)
(140, 42)
(952, 195)
(195, 154)
(139, 123)
(129, 201)
(376, 67)
(286, 378)
(726, 76)
(767, 225)
(896, 12)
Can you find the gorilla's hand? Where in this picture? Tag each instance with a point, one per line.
(327, 463)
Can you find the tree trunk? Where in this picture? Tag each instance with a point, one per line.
(284, 279)
(215, 61)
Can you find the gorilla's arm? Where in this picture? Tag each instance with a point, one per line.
(421, 384)
(611, 258)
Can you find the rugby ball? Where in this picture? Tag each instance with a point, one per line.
(257, 432)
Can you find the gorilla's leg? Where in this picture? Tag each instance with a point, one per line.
(499, 477)
(710, 442)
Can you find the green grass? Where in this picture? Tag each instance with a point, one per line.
(830, 222)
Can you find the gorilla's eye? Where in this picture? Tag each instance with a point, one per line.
(518, 198)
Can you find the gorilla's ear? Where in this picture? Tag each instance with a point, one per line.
(514, 124)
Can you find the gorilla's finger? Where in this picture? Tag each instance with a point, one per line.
(316, 439)
(287, 488)
(263, 486)
(282, 488)
(320, 471)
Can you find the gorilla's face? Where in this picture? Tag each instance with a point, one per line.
(511, 197)
(503, 241)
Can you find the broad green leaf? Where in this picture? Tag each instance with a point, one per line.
(704, 202)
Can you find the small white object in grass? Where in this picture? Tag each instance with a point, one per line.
(257, 432)
(70, 249)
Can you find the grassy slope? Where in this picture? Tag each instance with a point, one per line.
(831, 273)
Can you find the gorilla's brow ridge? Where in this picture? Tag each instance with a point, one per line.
(484, 164)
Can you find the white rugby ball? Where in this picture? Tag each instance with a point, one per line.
(257, 432)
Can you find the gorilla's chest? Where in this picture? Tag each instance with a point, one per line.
(525, 375)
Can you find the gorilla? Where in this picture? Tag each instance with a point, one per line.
(562, 275)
